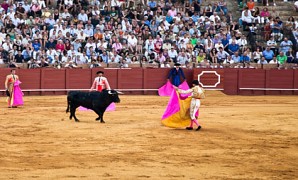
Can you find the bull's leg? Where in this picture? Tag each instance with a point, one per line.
(102, 121)
(97, 119)
(100, 116)
(73, 113)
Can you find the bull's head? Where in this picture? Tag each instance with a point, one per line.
(114, 96)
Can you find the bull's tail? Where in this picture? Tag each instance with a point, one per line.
(67, 109)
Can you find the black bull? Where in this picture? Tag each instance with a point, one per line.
(97, 101)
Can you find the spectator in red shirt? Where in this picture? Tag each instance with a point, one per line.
(60, 46)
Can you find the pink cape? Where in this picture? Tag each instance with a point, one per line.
(177, 112)
(111, 107)
(17, 94)
(167, 89)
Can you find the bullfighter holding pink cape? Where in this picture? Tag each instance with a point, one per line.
(184, 110)
(13, 90)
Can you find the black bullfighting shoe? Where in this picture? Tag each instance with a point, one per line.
(189, 128)
(199, 127)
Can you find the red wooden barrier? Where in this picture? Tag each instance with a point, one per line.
(279, 79)
(251, 78)
(295, 81)
(231, 81)
(137, 79)
(78, 78)
(53, 79)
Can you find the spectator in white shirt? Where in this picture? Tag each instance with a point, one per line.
(89, 31)
(132, 42)
(83, 16)
(173, 54)
(182, 58)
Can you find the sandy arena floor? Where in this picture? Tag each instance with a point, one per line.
(243, 137)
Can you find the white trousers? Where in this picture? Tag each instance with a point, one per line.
(42, 3)
(194, 107)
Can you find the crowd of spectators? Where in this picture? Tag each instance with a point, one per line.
(72, 33)
(277, 45)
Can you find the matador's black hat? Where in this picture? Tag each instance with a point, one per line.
(100, 72)
(196, 82)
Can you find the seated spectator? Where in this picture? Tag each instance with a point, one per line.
(273, 61)
(290, 56)
(213, 55)
(117, 46)
(201, 56)
(182, 58)
(285, 45)
(173, 54)
(229, 60)
(272, 44)
(60, 46)
(134, 60)
(70, 65)
(236, 57)
(223, 7)
(242, 43)
(257, 55)
(19, 58)
(265, 14)
(153, 5)
(246, 18)
(281, 58)
(244, 58)
(267, 2)
(262, 61)
(36, 45)
(204, 63)
(232, 48)
(234, 26)
(290, 23)
(33, 64)
(276, 30)
(1, 60)
(222, 55)
(35, 10)
(250, 5)
(296, 57)
(160, 58)
(256, 14)
(268, 54)
(296, 6)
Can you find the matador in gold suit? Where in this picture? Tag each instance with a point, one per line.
(197, 93)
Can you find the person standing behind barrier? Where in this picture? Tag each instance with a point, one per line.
(197, 93)
(100, 82)
(13, 91)
(175, 75)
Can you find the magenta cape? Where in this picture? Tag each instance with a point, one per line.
(111, 107)
(167, 89)
(177, 112)
(17, 97)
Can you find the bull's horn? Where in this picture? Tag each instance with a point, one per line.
(119, 92)
(110, 92)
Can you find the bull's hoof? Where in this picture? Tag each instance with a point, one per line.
(102, 122)
(97, 119)
(77, 121)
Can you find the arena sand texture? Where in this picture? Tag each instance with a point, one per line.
(243, 137)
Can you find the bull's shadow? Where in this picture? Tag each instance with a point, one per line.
(96, 101)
